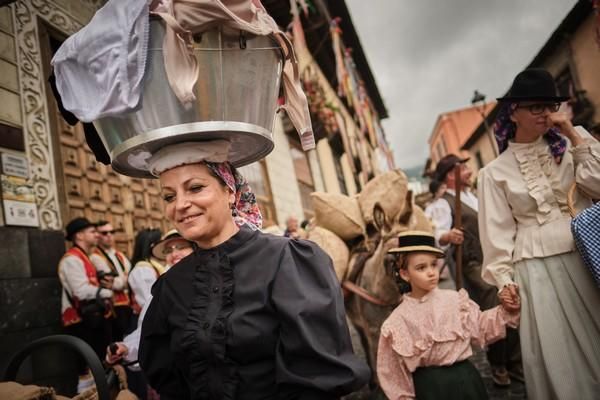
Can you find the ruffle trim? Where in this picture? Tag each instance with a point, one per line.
(216, 337)
(404, 343)
(535, 163)
(586, 151)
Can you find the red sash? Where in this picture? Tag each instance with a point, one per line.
(71, 316)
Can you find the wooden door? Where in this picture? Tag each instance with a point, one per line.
(95, 191)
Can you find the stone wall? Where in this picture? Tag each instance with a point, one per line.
(30, 301)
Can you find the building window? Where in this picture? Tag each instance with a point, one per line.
(258, 179)
(11, 137)
(580, 105)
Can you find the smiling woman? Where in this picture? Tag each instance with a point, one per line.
(199, 204)
(248, 315)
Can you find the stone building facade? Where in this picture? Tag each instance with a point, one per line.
(68, 182)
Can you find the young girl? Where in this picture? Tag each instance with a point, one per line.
(426, 342)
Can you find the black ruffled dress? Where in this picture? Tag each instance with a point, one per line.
(258, 317)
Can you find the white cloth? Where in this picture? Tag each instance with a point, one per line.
(141, 279)
(466, 197)
(74, 280)
(100, 69)
(132, 341)
(523, 204)
(174, 155)
(441, 213)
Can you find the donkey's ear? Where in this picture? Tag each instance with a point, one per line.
(379, 219)
(408, 209)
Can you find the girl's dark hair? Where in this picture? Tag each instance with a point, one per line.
(143, 245)
(394, 263)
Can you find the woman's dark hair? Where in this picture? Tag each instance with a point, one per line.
(505, 130)
(143, 245)
(504, 127)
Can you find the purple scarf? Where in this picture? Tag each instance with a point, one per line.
(504, 130)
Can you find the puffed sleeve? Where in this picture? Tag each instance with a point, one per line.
(586, 157)
(314, 355)
(394, 376)
(141, 278)
(155, 356)
(486, 327)
(497, 231)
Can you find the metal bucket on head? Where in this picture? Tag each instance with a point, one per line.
(236, 99)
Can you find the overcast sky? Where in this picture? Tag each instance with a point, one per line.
(428, 56)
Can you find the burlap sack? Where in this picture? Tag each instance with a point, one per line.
(419, 221)
(334, 247)
(16, 391)
(389, 190)
(338, 213)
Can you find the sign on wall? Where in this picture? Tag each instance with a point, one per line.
(14, 165)
(18, 200)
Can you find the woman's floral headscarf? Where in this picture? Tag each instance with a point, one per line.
(245, 210)
(505, 128)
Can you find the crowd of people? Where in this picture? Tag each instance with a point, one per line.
(105, 293)
(250, 315)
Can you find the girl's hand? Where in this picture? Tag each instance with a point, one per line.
(510, 299)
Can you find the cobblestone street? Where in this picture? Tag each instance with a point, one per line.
(514, 392)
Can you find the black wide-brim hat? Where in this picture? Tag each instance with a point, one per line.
(533, 84)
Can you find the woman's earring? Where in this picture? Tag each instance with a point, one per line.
(234, 210)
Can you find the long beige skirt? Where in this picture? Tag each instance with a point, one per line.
(560, 328)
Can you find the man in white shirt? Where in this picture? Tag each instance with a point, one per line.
(502, 355)
(109, 260)
(85, 302)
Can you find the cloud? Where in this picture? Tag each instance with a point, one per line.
(429, 56)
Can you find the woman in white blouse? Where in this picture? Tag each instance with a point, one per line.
(524, 226)
(146, 270)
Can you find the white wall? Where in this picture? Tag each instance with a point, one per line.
(284, 186)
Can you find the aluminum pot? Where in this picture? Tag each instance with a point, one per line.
(236, 99)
